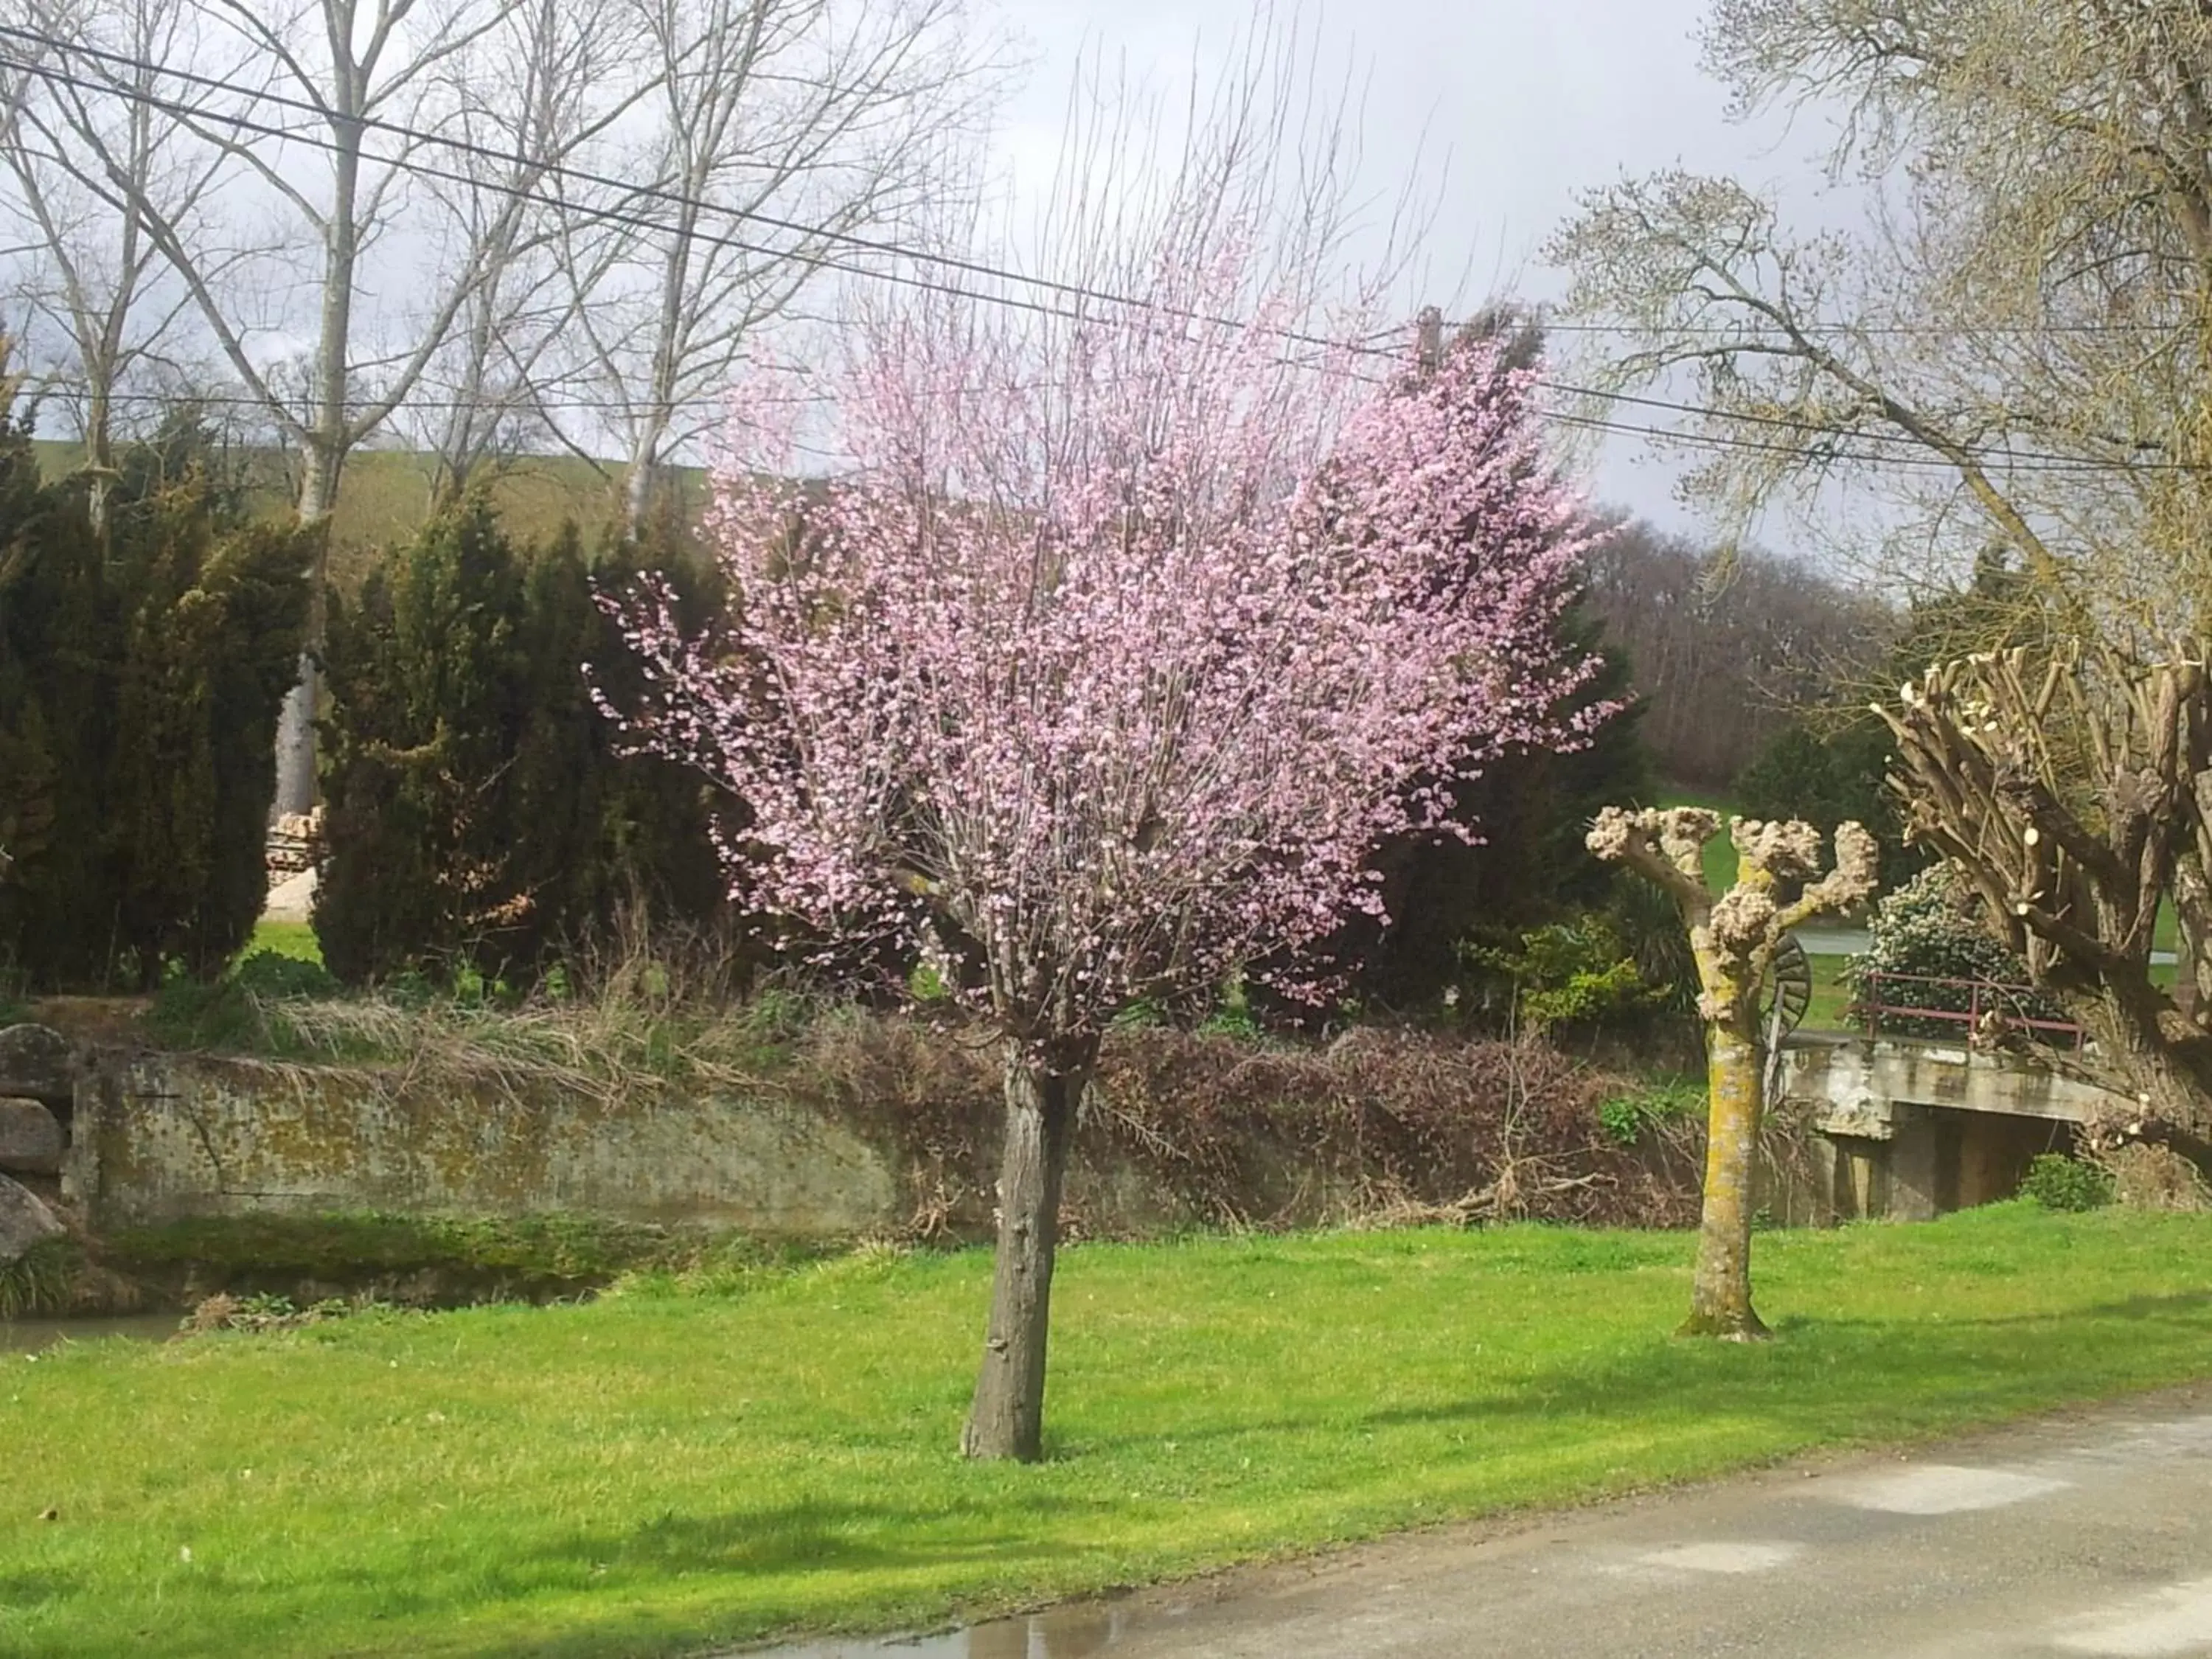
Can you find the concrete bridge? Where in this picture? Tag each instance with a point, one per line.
(1909, 1128)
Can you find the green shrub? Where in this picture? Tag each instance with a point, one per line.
(141, 672)
(232, 1012)
(482, 817)
(1624, 1118)
(1578, 973)
(40, 1279)
(1931, 928)
(2059, 1182)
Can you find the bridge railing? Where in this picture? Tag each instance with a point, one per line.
(1960, 1006)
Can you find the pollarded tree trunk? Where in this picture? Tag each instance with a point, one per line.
(1733, 936)
(1043, 1094)
(1719, 1292)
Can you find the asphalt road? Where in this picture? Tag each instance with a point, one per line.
(2086, 1535)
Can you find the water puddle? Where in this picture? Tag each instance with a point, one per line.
(1070, 1633)
(30, 1336)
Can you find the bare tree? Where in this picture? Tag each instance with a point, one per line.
(534, 100)
(2012, 353)
(98, 279)
(1725, 647)
(778, 132)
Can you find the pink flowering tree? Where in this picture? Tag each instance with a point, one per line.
(1117, 647)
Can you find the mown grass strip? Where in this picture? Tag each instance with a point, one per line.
(659, 1471)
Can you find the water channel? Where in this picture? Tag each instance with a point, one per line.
(30, 1335)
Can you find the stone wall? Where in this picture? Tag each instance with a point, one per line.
(898, 1136)
(159, 1137)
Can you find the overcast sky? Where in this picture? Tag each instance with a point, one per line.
(1522, 103)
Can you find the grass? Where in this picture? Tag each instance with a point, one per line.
(1830, 1008)
(385, 496)
(295, 939)
(1720, 851)
(659, 1471)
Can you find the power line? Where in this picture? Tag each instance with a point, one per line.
(654, 193)
(2009, 460)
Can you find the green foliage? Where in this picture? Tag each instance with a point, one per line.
(141, 672)
(1827, 780)
(233, 1011)
(1931, 928)
(1624, 1118)
(1527, 865)
(1575, 973)
(2059, 1182)
(482, 818)
(38, 1281)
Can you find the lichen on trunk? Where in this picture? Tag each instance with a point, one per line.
(1720, 1291)
(1733, 936)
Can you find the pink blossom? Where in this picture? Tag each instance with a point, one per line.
(1123, 642)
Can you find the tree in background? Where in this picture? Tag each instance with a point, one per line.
(98, 286)
(1733, 935)
(1520, 862)
(481, 818)
(140, 676)
(1828, 778)
(2011, 356)
(1726, 650)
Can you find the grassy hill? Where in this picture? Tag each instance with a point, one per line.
(385, 495)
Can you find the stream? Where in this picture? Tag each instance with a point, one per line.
(30, 1336)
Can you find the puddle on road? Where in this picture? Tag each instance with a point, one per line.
(30, 1336)
(1074, 1632)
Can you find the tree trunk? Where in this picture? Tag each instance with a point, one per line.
(295, 721)
(1720, 1296)
(2146, 1048)
(1007, 1417)
(638, 491)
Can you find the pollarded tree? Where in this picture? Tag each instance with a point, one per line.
(1127, 640)
(1734, 935)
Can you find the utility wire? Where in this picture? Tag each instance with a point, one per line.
(2008, 461)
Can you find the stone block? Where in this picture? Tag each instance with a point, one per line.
(35, 1061)
(25, 1221)
(30, 1137)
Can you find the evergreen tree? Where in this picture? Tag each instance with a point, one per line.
(480, 816)
(1530, 865)
(140, 673)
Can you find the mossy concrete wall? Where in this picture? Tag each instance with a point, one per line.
(888, 1130)
(159, 1137)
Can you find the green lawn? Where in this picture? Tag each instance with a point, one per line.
(1830, 1008)
(653, 1472)
(285, 939)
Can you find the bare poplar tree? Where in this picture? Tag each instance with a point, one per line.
(775, 131)
(537, 97)
(97, 278)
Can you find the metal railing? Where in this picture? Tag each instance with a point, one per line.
(1904, 996)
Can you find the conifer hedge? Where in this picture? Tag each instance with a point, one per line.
(482, 816)
(142, 664)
